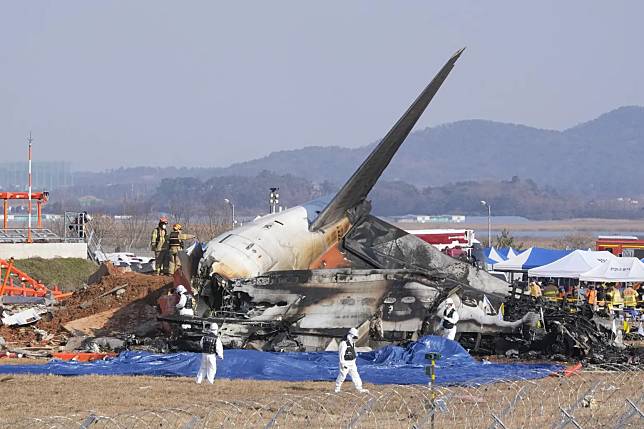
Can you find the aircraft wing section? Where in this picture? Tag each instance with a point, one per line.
(362, 181)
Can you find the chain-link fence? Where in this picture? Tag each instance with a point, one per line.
(595, 398)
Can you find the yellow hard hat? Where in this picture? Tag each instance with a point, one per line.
(176, 226)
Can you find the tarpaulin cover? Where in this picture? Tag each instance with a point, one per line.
(388, 365)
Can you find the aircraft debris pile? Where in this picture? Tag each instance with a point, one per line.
(100, 316)
(573, 332)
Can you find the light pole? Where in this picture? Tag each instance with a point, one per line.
(232, 210)
(489, 222)
(273, 200)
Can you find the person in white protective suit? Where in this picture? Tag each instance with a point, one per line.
(449, 319)
(186, 304)
(347, 356)
(211, 349)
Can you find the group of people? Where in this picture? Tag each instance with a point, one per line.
(608, 296)
(166, 246)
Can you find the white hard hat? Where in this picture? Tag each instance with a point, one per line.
(353, 332)
(181, 289)
(449, 301)
(214, 327)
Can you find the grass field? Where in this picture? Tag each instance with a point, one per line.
(66, 273)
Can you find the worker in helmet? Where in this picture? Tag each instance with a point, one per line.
(186, 305)
(591, 297)
(449, 319)
(211, 349)
(347, 356)
(535, 290)
(157, 245)
(175, 245)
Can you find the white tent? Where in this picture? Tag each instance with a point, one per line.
(572, 265)
(494, 255)
(616, 270)
(512, 253)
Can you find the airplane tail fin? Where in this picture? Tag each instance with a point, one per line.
(355, 190)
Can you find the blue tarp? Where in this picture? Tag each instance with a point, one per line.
(388, 365)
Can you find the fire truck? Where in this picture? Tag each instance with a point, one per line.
(453, 242)
(621, 245)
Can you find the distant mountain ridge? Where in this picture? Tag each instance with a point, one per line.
(600, 157)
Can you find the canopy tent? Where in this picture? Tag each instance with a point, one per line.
(512, 253)
(531, 258)
(492, 256)
(616, 270)
(572, 265)
(507, 252)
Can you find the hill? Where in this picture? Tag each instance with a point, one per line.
(601, 157)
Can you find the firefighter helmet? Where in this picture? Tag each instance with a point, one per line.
(176, 227)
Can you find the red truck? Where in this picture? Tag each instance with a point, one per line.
(621, 245)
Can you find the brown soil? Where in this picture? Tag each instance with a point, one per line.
(137, 304)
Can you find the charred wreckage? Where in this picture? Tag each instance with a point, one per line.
(300, 278)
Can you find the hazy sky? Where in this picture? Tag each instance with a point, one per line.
(205, 83)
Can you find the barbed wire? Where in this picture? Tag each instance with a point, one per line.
(596, 397)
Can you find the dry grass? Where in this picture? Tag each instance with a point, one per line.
(244, 403)
(112, 395)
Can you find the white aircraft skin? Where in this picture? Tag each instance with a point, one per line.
(275, 242)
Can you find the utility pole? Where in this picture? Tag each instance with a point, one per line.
(489, 223)
(29, 238)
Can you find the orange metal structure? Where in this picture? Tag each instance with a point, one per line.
(83, 356)
(40, 197)
(25, 285)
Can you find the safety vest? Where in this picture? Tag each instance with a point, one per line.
(446, 323)
(209, 343)
(190, 301)
(350, 352)
(174, 239)
(630, 297)
(550, 293)
(617, 297)
(591, 296)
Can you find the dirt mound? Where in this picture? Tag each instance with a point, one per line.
(105, 269)
(132, 296)
(139, 291)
